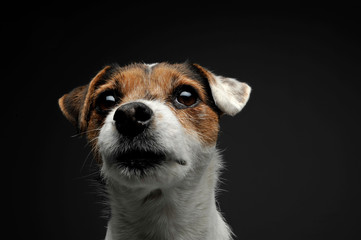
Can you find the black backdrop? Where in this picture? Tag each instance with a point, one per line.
(292, 155)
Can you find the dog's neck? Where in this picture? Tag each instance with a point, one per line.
(185, 211)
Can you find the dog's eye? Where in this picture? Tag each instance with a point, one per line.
(186, 97)
(106, 101)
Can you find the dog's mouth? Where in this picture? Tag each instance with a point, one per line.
(140, 159)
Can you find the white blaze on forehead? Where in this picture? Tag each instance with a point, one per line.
(151, 65)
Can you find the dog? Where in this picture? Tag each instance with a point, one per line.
(153, 129)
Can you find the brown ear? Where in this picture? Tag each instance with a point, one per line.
(72, 103)
(76, 104)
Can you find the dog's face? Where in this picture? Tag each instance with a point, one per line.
(150, 125)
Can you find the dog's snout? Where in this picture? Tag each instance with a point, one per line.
(133, 118)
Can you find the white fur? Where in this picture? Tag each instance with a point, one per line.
(151, 65)
(172, 202)
(229, 94)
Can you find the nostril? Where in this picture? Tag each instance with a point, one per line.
(143, 114)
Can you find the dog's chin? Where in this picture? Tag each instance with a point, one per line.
(140, 168)
(139, 162)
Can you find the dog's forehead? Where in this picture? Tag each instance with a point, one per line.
(152, 74)
(154, 79)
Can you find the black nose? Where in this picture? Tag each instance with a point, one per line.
(133, 118)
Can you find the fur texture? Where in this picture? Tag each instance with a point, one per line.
(175, 197)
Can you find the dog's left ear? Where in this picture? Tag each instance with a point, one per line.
(229, 95)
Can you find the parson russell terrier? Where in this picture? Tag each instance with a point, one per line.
(153, 129)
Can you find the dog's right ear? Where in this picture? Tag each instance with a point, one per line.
(75, 105)
(71, 104)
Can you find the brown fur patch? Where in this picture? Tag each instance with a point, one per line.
(201, 120)
(71, 104)
(96, 82)
(205, 73)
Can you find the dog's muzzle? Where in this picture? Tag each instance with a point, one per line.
(133, 118)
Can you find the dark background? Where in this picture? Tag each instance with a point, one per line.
(292, 155)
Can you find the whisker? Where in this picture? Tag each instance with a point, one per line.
(88, 131)
(93, 150)
(96, 172)
(91, 141)
(84, 163)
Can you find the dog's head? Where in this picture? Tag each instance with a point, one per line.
(153, 124)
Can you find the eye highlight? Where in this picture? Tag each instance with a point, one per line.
(106, 101)
(110, 98)
(185, 96)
